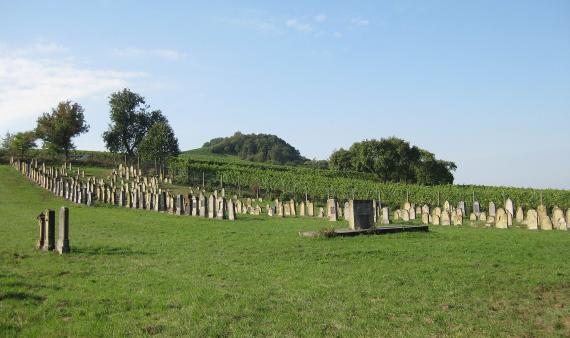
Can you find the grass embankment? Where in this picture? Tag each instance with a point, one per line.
(138, 273)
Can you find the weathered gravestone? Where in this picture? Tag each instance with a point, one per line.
(476, 208)
(509, 207)
(532, 219)
(385, 218)
(461, 205)
(558, 220)
(231, 210)
(332, 210)
(63, 241)
(445, 219)
(501, 219)
(425, 218)
(361, 214)
(492, 209)
(405, 215)
(49, 241)
(211, 206)
(41, 231)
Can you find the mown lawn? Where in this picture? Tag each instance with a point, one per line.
(139, 273)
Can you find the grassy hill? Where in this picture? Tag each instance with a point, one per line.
(140, 273)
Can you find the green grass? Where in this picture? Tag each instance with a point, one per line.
(142, 273)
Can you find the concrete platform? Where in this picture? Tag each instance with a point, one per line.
(372, 231)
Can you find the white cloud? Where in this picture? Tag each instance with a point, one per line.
(298, 26)
(320, 18)
(165, 54)
(359, 22)
(31, 85)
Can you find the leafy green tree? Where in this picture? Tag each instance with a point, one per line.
(59, 128)
(393, 160)
(21, 143)
(341, 160)
(130, 122)
(159, 143)
(6, 140)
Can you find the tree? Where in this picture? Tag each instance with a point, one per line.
(21, 143)
(394, 160)
(6, 141)
(59, 128)
(159, 143)
(130, 122)
(341, 160)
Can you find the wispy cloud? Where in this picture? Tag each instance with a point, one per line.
(32, 84)
(359, 22)
(320, 18)
(164, 54)
(298, 25)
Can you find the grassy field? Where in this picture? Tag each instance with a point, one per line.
(139, 273)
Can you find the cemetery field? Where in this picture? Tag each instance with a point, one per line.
(135, 272)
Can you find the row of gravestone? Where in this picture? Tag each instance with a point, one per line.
(46, 231)
(91, 190)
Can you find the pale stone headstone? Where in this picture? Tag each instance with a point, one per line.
(558, 219)
(179, 204)
(63, 241)
(483, 216)
(405, 215)
(446, 207)
(292, 209)
(397, 215)
(361, 214)
(501, 219)
(532, 219)
(407, 206)
(385, 219)
(435, 219)
(49, 242)
(458, 217)
(211, 206)
(509, 206)
(472, 217)
(437, 211)
(302, 209)
(425, 209)
(412, 213)
(476, 208)
(310, 209)
(492, 209)
(41, 231)
(544, 222)
(425, 218)
(321, 212)
(231, 210)
(445, 218)
(461, 205)
(332, 210)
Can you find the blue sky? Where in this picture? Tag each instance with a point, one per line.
(483, 83)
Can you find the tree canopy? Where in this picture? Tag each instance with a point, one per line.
(159, 143)
(394, 160)
(20, 143)
(58, 128)
(130, 122)
(257, 148)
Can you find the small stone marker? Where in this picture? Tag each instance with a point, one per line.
(519, 215)
(361, 214)
(476, 208)
(63, 241)
(231, 210)
(41, 231)
(445, 218)
(509, 207)
(502, 219)
(405, 215)
(425, 218)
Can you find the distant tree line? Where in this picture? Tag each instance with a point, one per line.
(256, 148)
(393, 160)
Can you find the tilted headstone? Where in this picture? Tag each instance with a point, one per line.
(361, 214)
(63, 241)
